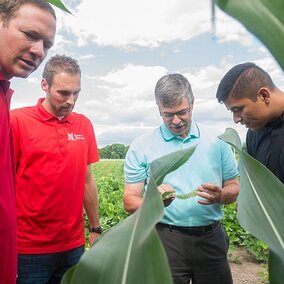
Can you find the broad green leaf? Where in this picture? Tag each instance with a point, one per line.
(260, 205)
(169, 163)
(231, 136)
(264, 18)
(59, 4)
(131, 251)
(275, 267)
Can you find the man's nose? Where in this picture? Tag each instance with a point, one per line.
(237, 118)
(71, 99)
(38, 49)
(176, 119)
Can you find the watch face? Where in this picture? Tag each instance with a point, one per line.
(97, 230)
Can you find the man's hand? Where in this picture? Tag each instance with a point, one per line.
(167, 193)
(92, 237)
(211, 192)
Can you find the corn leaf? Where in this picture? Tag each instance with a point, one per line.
(131, 251)
(169, 163)
(59, 4)
(260, 206)
(264, 18)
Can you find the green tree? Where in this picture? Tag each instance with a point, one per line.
(114, 151)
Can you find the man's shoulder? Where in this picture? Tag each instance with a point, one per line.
(79, 116)
(148, 135)
(23, 110)
(209, 133)
(80, 121)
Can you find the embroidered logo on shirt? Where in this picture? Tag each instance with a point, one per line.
(75, 137)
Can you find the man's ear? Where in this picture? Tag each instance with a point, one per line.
(44, 85)
(264, 94)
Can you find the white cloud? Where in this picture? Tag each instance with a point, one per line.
(118, 87)
(147, 23)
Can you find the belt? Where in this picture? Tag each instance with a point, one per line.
(195, 231)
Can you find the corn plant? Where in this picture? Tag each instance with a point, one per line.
(265, 20)
(131, 251)
(260, 205)
(59, 4)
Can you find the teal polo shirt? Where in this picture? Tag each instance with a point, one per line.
(212, 162)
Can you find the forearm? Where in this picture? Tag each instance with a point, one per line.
(133, 196)
(91, 202)
(229, 192)
(132, 203)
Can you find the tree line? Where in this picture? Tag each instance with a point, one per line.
(113, 151)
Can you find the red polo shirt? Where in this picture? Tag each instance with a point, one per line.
(8, 256)
(52, 156)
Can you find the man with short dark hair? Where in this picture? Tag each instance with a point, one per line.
(27, 30)
(250, 94)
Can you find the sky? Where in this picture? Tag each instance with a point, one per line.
(124, 46)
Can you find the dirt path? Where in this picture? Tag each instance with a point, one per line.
(244, 268)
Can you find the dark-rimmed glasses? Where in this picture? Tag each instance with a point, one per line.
(180, 114)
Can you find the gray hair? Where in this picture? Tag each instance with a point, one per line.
(171, 89)
(58, 64)
(8, 8)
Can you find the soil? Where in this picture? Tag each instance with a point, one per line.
(245, 269)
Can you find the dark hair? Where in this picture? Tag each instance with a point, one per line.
(58, 64)
(171, 89)
(8, 8)
(243, 81)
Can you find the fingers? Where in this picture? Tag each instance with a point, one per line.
(165, 191)
(210, 192)
(165, 188)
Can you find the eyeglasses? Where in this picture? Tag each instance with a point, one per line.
(180, 114)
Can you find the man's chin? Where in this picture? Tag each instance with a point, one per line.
(23, 73)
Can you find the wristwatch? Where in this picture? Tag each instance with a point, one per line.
(97, 230)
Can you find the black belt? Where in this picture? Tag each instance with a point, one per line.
(199, 230)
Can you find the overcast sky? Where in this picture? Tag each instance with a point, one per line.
(125, 46)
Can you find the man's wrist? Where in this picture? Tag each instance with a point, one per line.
(97, 229)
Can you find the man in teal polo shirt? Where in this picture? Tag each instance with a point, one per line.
(195, 242)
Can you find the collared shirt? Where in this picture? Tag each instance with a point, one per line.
(8, 257)
(52, 157)
(212, 162)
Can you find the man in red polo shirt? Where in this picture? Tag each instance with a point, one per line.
(27, 29)
(54, 149)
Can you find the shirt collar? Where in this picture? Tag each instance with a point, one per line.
(168, 135)
(45, 115)
(276, 122)
(5, 85)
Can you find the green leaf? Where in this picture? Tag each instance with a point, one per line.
(59, 4)
(264, 18)
(131, 251)
(275, 267)
(169, 194)
(169, 163)
(231, 136)
(187, 195)
(260, 206)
